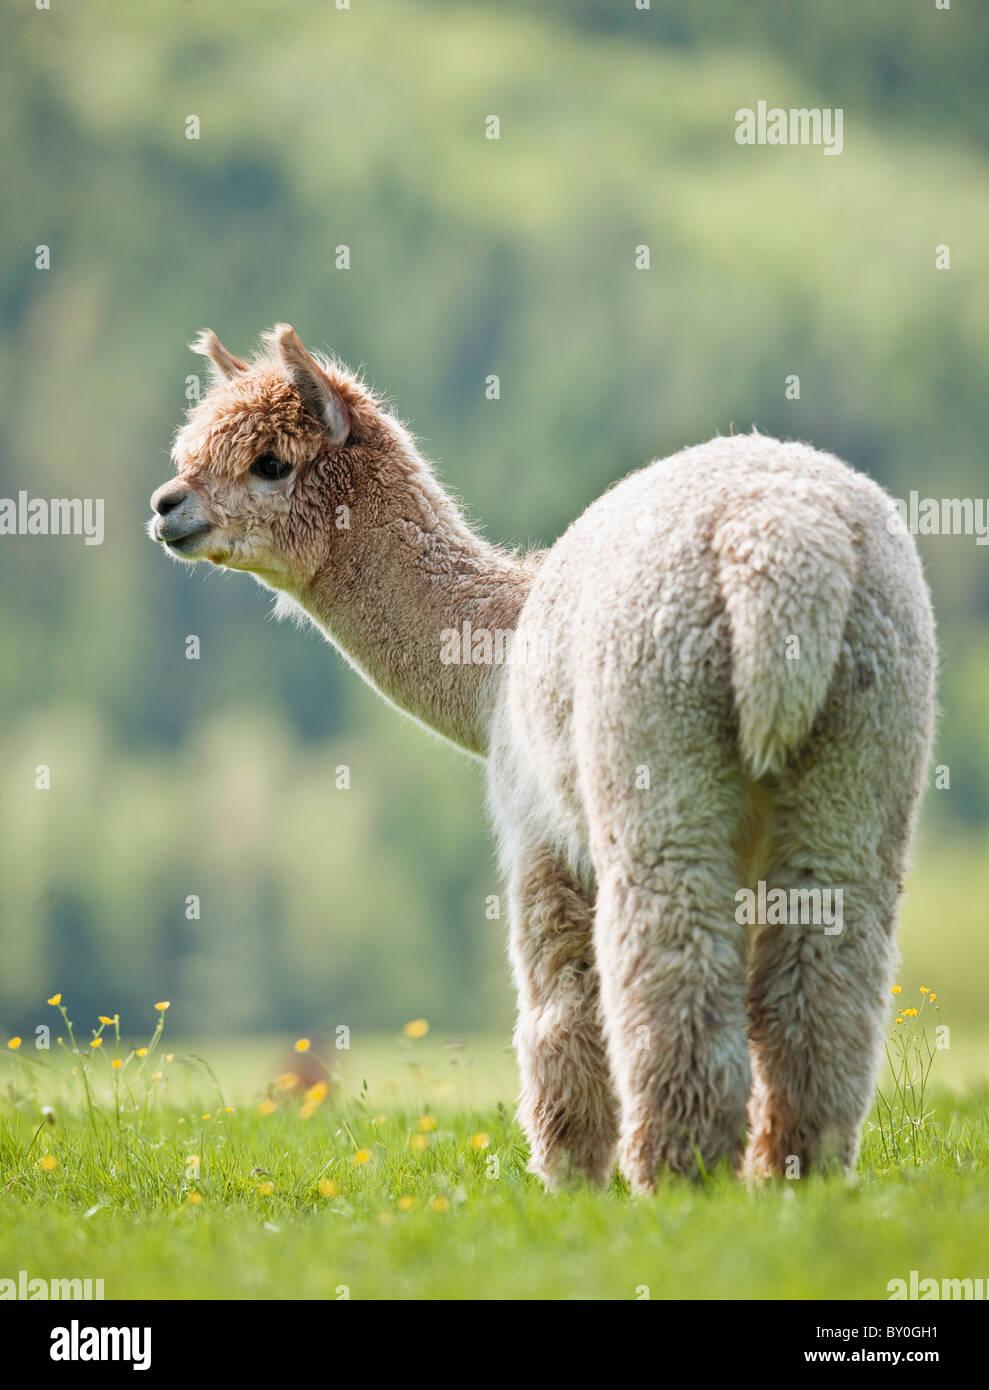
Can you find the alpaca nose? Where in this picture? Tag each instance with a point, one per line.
(166, 500)
(180, 515)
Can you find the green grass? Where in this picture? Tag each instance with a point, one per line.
(160, 1201)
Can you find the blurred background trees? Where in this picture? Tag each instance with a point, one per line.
(320, 128)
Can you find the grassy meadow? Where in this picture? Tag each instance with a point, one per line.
(395, 1170)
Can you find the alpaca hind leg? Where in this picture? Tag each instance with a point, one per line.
(817, 1006)
(665, 803)
(818, 995)
(673, 989)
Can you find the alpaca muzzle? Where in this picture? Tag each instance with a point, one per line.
(179, 517)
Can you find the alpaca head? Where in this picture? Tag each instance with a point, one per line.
(272, 460)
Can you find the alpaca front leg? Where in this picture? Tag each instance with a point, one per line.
(566, 1106)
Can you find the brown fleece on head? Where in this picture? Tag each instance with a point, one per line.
(275, 406)
(260, 408)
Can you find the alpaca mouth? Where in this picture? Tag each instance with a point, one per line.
(179, 540)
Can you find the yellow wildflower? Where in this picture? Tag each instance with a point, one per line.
(418, 1028)
(49, 1163)
(480, 1141)
(418, 1142)
(362, 1156)
(288, 1080)
(14, 1044)
(116, 1064)
(439, 1204)
(407, 1203)
(55, 999)
(104, 1020)
(141, 1052)
(97, 1042)
(327, 1188)
(162, 1006)
(194, 1199)
(302, 1045)
(924, 989)
(897, 989)
(266, 1189)
(267, 1107)
(318, 1091)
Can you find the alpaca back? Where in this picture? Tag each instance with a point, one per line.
(729, 569)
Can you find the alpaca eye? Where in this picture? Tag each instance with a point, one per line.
(270, 468)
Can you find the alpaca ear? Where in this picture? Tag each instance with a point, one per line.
(312, 383)
(225, 364)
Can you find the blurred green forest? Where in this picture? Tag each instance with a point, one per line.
(365, 127)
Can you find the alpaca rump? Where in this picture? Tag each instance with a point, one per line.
(733, 700)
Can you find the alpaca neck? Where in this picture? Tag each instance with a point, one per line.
(390, 595)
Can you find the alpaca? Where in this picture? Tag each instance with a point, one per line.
(720, 677)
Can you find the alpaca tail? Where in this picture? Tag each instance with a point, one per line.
(788, 568)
